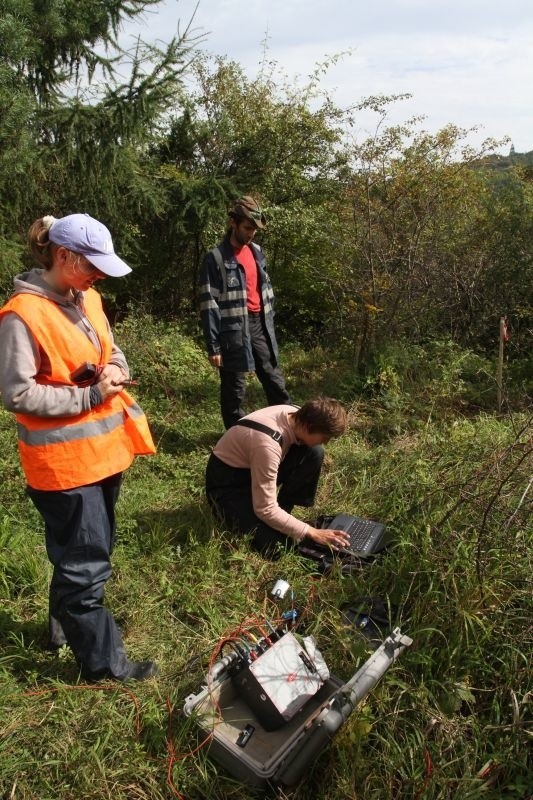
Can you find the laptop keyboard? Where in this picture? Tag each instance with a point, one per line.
(367, 536)
(361, 532)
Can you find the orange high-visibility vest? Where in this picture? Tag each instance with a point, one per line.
(63, 452)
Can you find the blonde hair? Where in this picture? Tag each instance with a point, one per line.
(41, 248)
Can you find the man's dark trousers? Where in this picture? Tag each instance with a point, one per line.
(80, 530)
(229, 491)
(233, 384)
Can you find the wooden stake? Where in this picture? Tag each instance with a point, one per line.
(499, 376)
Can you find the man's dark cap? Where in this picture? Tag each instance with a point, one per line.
(247, 207)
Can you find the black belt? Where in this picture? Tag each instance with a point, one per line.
(254, 313)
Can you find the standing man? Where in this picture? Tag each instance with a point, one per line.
(237, 311)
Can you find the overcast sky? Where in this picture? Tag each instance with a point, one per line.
(468, 62)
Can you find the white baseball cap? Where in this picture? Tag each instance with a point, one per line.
(85, 235)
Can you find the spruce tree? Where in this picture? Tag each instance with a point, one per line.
(73, 136)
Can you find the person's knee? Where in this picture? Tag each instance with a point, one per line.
(81, 585)
(270, 552)
(269, 543)
(216, 510)
(316, 455)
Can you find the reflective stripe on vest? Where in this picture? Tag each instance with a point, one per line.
(70, 433)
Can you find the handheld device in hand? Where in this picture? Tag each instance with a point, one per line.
(85, 374)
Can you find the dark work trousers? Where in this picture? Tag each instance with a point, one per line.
(80, 531)
(233, 384)
(229, 492)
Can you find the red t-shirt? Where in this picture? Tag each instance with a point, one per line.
(245, 257)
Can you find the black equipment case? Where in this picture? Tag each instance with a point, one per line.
(281, 757)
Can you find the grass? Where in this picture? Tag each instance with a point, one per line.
(448, 722)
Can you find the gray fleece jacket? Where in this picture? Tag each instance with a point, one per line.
(22, 360)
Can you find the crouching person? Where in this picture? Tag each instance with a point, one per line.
(269, 462)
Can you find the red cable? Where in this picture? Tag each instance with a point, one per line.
(429, 770)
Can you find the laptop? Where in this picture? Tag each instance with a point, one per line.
(367, 536)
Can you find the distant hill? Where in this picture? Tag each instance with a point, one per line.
(498, 162)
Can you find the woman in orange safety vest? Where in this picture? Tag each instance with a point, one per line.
(78, 428)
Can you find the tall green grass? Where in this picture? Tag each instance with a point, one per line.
(449, 721)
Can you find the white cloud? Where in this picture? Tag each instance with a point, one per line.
(468, 62)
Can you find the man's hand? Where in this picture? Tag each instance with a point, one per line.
(329, 538)
(216, 360)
